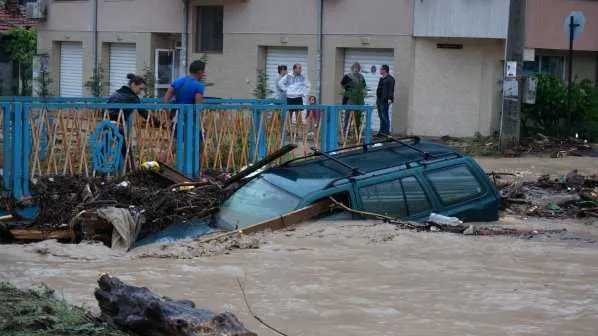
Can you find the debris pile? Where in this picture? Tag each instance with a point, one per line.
(152, 199)
(570, 196)
(556, 147)
(539, 144)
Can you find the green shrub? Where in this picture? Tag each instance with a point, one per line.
(550, 114)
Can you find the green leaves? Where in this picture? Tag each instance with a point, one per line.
(261, 90)
(21, 44)
(97, 84)
(550, 114)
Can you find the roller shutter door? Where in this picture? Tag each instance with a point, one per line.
(123, 61)
(276, 56)
(71, 69)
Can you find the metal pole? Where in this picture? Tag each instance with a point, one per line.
(319, 24)
(95, 35)
(572, 27)
(184, 35)
(511, 116)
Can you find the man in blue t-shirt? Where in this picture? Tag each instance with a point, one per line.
(188, 89)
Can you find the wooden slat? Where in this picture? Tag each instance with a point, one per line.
(36, 235)
(290, 219)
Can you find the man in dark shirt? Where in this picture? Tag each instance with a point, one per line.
(384, 97)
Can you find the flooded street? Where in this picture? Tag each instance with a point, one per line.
(360, 277)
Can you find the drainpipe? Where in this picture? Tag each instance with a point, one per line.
(184, 35)
(319, 24)
(95, 35)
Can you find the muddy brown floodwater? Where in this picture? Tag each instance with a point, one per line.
(361, 277)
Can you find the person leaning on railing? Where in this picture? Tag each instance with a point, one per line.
(187, 89)
(128, 94)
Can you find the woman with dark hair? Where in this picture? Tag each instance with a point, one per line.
(128, 94)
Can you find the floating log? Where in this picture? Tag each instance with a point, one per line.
(138, 310)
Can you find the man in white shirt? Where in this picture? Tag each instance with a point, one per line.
(296, 88)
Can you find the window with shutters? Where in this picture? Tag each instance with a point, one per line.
(209, 28)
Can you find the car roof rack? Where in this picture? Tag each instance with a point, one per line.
(424, 154)
(364, 146)
(354, 170)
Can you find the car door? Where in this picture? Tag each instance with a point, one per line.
(398, 195)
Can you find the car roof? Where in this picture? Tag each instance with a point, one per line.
(315, 172)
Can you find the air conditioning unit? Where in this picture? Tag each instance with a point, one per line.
(37, 9)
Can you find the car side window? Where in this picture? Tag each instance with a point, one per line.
(455, 184)
(385, 198)
(417, 201)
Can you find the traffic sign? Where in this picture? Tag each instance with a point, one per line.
(579, 22)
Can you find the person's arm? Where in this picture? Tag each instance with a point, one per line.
(199, 98)
(345, 81)
(391, 90)
(199, 91)
(169, 94)
(282, 83)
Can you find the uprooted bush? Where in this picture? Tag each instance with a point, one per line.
(550, 114)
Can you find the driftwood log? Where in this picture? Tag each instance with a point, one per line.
(138, 310)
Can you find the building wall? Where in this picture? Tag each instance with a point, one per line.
(456, 92)
(68, 16)
(247, 34)
(118, 22)
(141, 16)
(461, 18)
(545, 20)
(358, 17)
(114, 15)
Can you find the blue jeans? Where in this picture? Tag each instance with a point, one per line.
(384, 118)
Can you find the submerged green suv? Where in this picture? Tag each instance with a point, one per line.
(404, 178)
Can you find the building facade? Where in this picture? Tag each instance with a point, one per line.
(547, 42)
(446, 56)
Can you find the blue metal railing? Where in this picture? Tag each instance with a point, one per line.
(17, 143)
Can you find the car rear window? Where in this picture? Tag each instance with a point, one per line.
(455, 184)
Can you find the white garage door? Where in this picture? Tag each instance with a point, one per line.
(71, 69)
(123, 61)
(276, 56)
(370, 60)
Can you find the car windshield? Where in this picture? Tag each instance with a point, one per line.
(257, 201)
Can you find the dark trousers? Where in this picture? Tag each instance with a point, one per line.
(384, 117)
(294, 101)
